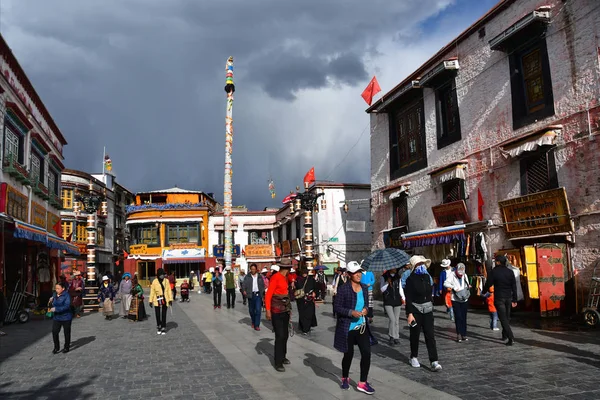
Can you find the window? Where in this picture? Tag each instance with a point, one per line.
(407, 139)
(448, 119)
(538, 172)
(37, 168)
(100, 237)
(259, 237)
(188, 233)
(453, 190)
(81, 233)
(67, 198)
(146, 234)
(531, 85)
(11, 145)
(53, 182)
(400, 211)
(67, 229)
(222, 238)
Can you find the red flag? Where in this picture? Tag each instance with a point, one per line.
(70, 237)
(118, 262)
(288, 198)
(58, 228)
(480, 204)
(125, 254)
(371, 90)
(310, 176)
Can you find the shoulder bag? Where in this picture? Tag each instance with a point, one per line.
(280, 303)
(424, 308)
(463, 294)
(298, 293)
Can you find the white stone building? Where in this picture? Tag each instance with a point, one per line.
(508, 109)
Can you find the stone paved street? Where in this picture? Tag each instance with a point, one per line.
(210, 354)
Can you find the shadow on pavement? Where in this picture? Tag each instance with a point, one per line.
(82, 342)
(245, 321)
(323, 367)
(265, 347)
(560, 348)
(54, 389)
(172, 325)
(580, 338)
(21, 336)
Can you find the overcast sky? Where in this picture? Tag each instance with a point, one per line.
(145, 79)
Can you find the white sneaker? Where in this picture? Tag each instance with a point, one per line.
(496, 329)
(414, 362)
(158, 332)
(435, 366)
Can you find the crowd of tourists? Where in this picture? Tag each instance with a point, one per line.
(274, 290)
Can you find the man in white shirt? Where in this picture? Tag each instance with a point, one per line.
(254, 290)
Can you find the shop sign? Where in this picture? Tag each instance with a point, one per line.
(296, 246)
(219, 250)
(38, 215)
(16, 203)
(51, 221)
(450, 213)
(543, 213)
(287, 248)
(259, 250)
(393, 237)
(182, 246)
(82, 247)
(138, 249)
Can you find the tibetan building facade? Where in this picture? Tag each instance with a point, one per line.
(491, 147)
(32, 164)
(169, 229)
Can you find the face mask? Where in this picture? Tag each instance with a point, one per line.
(161, 276)
(393, 274)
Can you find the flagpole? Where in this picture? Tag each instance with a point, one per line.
(227, 191)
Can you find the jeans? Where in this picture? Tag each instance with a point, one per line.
(493, 320)
(451, 313)
(393, 314)
(503, 307)
(230, 297)
(217, 293)
(362, 340)
(255, 307)
(66, 325)
(425, 322)
(460, 317)
(281, 324)
(161, 316)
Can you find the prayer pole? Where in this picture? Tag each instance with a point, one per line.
(227, 194)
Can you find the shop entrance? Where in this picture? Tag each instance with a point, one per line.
(551, 278)
(146, 272)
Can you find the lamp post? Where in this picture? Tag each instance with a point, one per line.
(307, 201)
(90, 204)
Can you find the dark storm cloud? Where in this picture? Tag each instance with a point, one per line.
(145, 79)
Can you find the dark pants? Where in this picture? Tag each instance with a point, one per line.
(460, 317)
(281, 323)
(425, 322)
(161, 316)
(230, 297)
(364, 345)
(66, 325)
(503, 307)
(217, 293)
(243, 297)
(207, 287)
(255, 307)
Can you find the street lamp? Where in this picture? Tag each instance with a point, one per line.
(90, 204)
(308, 201)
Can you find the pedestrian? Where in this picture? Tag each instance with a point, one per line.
(321, 290)
(173, 284)
(489, 300)
(393, 298)
(76, 291)
(217, 287)
(351, 329)
(106, 296)
(419, 311)
(264, 272)
(118, 278)
(230, 287)
(62, 316)
(254, 290)
(368, 279)
(338, 280)
(191, 280)
(505, 294)
(137, 310)
(279, 307)
(161, 297)
(208, 278)
(461, 291)
(125, 293)
(240, 282)
(306, 284)
(447, 293)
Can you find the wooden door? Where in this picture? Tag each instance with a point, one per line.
(551, 278)
(531, 272)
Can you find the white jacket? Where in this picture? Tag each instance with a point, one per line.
(456, 284)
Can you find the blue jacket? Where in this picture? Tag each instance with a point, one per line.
(62, 307)
(106, 292)
(368, 278)
(344, 303)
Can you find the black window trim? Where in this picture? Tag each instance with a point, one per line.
(552, 172)
(442, 142)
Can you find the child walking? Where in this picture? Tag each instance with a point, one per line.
(489, 298)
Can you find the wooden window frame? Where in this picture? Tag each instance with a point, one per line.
(445, 137)
(531, 157)
(451, 185)
(67, 229)
(259, 232)
(398, 202)
(401, 118)
(67, 198)
(138, 237)
(180, 228)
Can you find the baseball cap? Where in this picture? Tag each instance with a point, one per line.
(354, 267)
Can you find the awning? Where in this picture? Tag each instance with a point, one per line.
(399, 192)
(534, 22)
(30, 232)
(251, 260)
(528, 143)
(456, 170)
(448, 65)
(162, 220)
(399, 93)
(431, 237)
(55, 242)
(138, 257)
(183, 256)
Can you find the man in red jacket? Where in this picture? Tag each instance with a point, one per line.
(278, 305)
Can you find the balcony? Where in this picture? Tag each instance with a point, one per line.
(55, 201)
(164, 206)
(16, 170)
(38, 187)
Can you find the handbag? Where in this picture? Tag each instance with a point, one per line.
(281, 303)
(424, 308)
(463, 294)
(299, 293)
